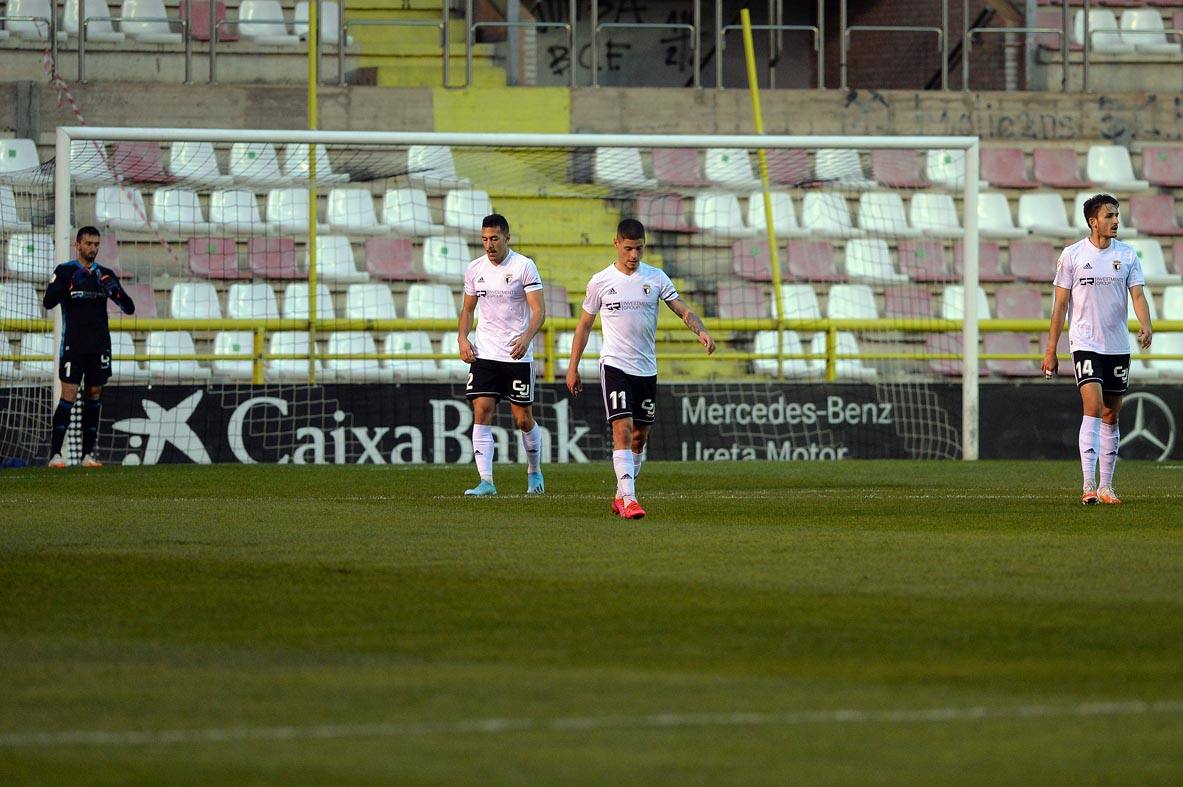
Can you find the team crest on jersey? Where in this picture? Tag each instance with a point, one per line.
(1117, 265)
(647, 288)
(508, 278)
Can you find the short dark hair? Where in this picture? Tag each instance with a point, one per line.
(497, 221)
(87, 230)
(630, 229)
(1093, 204)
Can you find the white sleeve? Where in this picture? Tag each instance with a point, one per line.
(1135, 276)
(592, 300)
(531, 280)
(668, 291)
(1064, 271)
(469, 283)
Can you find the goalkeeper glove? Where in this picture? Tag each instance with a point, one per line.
(110, 285)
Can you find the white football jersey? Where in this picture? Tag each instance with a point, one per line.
(1099, 281)
(502, 311)
(627, 305)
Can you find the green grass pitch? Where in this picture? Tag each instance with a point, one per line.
(854, 622)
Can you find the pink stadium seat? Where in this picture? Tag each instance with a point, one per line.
(1010, 343)
(1057, 167)
(663, 212)
(788, 167)
(1065, 369)
(556, 300)
(1006, 168)
(751, 260)
(812, 260)
(1033, 260)
(1154, 214)
(215, 258)
(1163, 166)
(989, 262)
(273, 258)
(944, 343)
(743, 301)
(923, 260)
(1177, 256)
(1018, 302)
(678, 167)
(904, 301)
(1046, 17)
(897, 169)
(142, 295)
(108, 252)
(200, 21)
(392, 259)
(140, 162)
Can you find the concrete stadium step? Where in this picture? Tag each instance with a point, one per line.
(559, 220)
(431, 75)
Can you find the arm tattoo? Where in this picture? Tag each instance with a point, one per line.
(693, 323)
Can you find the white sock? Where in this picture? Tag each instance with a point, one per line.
(622, 462)
(482, 450)
(638, 460)
(533, 442)
(1110, 437)
(1090, 444)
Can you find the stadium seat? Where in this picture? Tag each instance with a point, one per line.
(392, 259)
(730, 167)
(826, 214)
(751, 260)
(406, 212)
(953, 303)
(718, 215)
(255, 163)
(328, 23)
(1143, 28)
(446, 258)
(1018, 302)
(907, 301)
(8, 369)
(784, 215)
(742, 301)
(200, 21)
(663, 212)
(369, 302)
(452, 369)
(142, 295)
(1109, 167)
(196, 164)
(89, 163)
(1057, 168)
(10, 220)
(1065, 356)
(38, 344)
(788, 167)
(935, 215)
(27, 28)
(1033, 260)
(148, 22)
(1082, 227)
(994, 219)
(351, 211)
(851, 302)
(273, 258)
(556, 300)
(1104, 33)
(1006, 168)
(621, 168)
(407, 343)
(1154, 266)
(1010, 343)
(122, 370)
(432, 167)
(844, 368)
(1172, 304)
(291, 369)
(989, 262)
(946, 168)
(194, 300)
(1163, 166)
(431, 302)
(680, 167)
(811, 260)
(945, 343)
(355, 370)
(882, 213)
(287, 211)
(869, 259)
(765, 343)
(1166, 344)
(295, 165)
(235, 211)
(897, 169)
(1154, 214)
(19, 301)
(295, 301)
(164, 343)
(923, 260)
(1043, 213)
(139, 162)
(800, 302)
(253, 300)
(178, 210)
(97, 16)
(120, 207)
(233, 343)
(465, 209)
(589, 362)
(335, 260)
(30, 256)
(841, 166)
(262, 22)
(18, 160)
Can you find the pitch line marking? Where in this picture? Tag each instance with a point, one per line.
(492, 726)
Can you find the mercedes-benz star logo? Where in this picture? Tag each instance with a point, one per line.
(1152, 435)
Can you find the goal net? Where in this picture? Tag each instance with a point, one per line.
(297, 292)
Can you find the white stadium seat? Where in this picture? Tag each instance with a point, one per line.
(1043, 214)
(730, 167)
(38, 344)
(994, 218)
(30, 256)
(351, 211)
(784, 215)
(953, 303)
(718, 215)
(409, 342)
(20, 301)
(120, 207)
(125, 371)
(765, 342)
(589, 362)
(18, 159)
(800, 302)
(842, 167)
(882, 213)
(194, 300)
(10, 220)
(256, 164)
(844, 368)
(235, 210)
(369, 302)
(178, 210)
(147, 22)
(291, 369)
(446, 258)
(851, 302)
(99, 30)
(8, 369)
(935, 215)
(233, 343)
(1143, 28)
(262, 22)
(355, 370)
(465, 209)
(196, 163)
(430, 301)
(621, 168)
(405, 211)
(295, 164)
(826, 214)
(173, 343)
(287, 211)
(1109, 166)
(869, 259)
(295, 301)
(432, 167)
(251, 300)
(328, 23)
(1104, 33)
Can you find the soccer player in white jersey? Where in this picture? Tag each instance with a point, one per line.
(507, 289)
(1092, 279)
(625, 295)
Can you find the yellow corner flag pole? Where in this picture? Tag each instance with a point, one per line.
(754, 90)
(313, 122)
